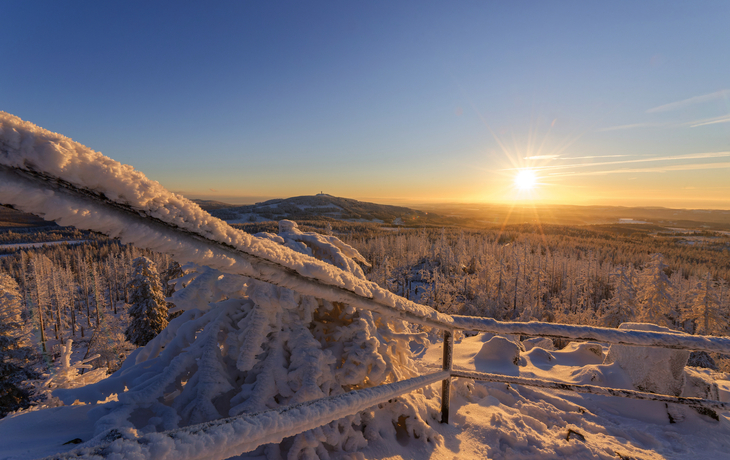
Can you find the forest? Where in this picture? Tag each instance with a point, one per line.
(580, 275)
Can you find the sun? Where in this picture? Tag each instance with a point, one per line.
(525, 179)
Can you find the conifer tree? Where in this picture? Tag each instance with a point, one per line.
(15, 354)
(704, 308)
(620, 308)
(654, 295)
(148, 312)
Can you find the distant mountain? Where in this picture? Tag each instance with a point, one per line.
(13, 219)
(210, 205)
(322, 206)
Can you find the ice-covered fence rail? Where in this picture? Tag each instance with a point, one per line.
(591, 389)
(598, 334)
(225, 438)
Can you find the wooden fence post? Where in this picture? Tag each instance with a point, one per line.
(446, 383)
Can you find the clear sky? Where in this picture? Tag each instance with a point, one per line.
(624, 103)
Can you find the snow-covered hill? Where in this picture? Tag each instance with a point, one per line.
(321, 205)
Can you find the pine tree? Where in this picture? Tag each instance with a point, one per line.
(15, 354)
(619, 308)
(654, 296)
(704, 308)
(148, 313)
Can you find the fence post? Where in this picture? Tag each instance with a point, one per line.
(446, 383)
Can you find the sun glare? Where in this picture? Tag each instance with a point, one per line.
(525, 179)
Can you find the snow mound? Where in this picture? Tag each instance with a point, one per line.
(499, 355)
(655, 370)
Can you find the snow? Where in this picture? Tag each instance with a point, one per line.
(656, 370)
(488, 420)
(20, 435)
(499, 421)
(213, 440)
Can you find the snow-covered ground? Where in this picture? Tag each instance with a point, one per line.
(500, 421)
(488, 420)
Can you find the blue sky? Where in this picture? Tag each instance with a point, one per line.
(387, 101)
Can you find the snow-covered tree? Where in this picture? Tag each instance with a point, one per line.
(64, 374)
(11, 310)
(654, 296)
(620, 308)
(704, 308)
(148, 313)
(243, 346)
(15, 353)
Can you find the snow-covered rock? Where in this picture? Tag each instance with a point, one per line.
(498, 353)
(656, 370)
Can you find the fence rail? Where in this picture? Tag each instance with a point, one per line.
(247, 432)
(674, 340)
(596, 390)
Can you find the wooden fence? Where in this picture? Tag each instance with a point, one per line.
(247, 432)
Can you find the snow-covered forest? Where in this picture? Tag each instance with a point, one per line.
(84, 292)
(525, 275)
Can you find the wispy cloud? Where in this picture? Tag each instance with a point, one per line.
(689, 156)
(594, 156)
(691, 124)
(691, 101)
(635, 125)
(710, 121)
(656, 169)
(558, 157)
(543, 157)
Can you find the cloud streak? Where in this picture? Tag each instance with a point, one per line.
(691, 101)
(656, 169)
(689, 156)
(635, 125)
(543, 157)
(691, 124)
(558, 157)
(711, 121)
